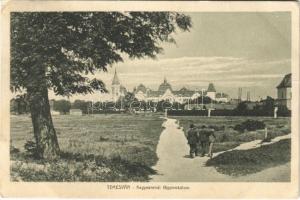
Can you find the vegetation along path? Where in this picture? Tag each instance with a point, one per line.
(175, 165)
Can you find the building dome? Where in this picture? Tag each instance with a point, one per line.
(141, 88)
(164, 86)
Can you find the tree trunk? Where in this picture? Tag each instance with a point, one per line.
(44, 132)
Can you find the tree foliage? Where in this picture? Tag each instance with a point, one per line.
(62, 48)
(80, 104)
(19, 105)
(62, 106)
(206, 100)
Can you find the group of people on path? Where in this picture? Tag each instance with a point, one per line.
(201, 140)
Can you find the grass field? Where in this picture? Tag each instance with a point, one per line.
(127, 141)
(227, 137)
(243, 162)
(121, 147)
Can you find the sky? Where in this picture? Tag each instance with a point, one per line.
(250, 50)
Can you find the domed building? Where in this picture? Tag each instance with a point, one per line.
(140, 92)
(164, 92)
(164, 86)
(141, 88)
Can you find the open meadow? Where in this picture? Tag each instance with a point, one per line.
(117, 139)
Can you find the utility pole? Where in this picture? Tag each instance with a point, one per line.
(202, 98)
(121, 103)
(240, 94)
(196, 100)
(248, 95)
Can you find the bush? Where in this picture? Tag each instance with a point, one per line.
(249, 125)
(227, 112)
(31, 148)
(103, 139)
(14, 150)
(217, 128)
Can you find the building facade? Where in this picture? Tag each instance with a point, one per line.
(284, 92)
(166, 92)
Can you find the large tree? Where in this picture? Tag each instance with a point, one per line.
(57, 50)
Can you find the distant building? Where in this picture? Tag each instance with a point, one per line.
(53, 112)
(222, 97)
(234, 101)
(284, 92)
(75, 112)
(165, 92)
(211, 91)
(117, 90)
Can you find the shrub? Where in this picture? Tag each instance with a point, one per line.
(103, 139)
(249, 125)
(14, 150)
(217, 128)
(224, 138)
(31, 148)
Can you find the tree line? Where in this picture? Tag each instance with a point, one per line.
(20, 105)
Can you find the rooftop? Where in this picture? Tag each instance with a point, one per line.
(286, 82)
(211, 88)
(115, 80)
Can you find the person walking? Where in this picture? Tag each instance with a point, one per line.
(211, 139)
(203, 140)
(192, 137)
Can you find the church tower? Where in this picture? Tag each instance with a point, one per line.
(116, 87)
(211, 91)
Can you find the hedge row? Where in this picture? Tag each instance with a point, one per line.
(227, 113)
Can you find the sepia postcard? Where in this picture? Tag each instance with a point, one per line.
(141, 99)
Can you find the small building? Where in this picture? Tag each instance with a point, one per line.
(222, 97)
(53, 112)
(75, 112)
(284, 92)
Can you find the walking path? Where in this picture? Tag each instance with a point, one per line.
(174, 165)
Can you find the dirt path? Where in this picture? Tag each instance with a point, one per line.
(174, 165)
